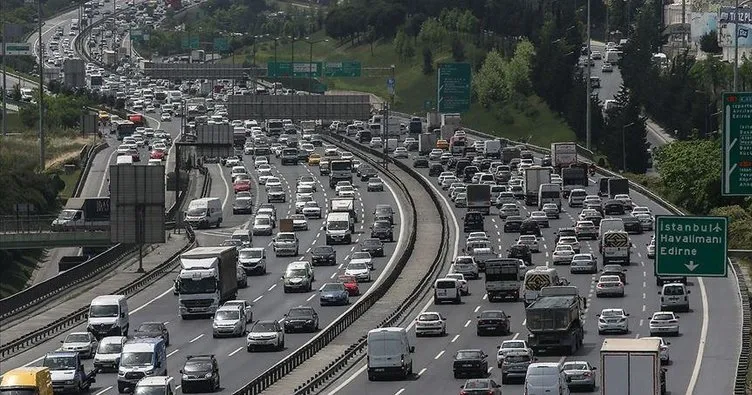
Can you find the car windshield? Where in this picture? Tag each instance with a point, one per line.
(357, 266)
(262, 221)
(250, 254)
(338, 225)
(371, 243)
(227, 315)
(332, 287)
(196, 211)
(98, 311)
(575, 366)
(136, 359)
(293, 273)
(109, 348)
(361, 255)
(149, 390)
(429, 317)
(60, 363)
(471, 354)
(77, 338)
(491, 314)
(517, 358)
(264, 327)
(299, 313)
(149, 328)
(197, 366)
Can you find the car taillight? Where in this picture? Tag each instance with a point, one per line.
(463, 392)
(599, 285)
(587, 374)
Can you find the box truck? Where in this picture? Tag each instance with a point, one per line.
(563, 155)
(84, 214)
(533, 178)
(632, 367)
(479, 198)
(208, 277)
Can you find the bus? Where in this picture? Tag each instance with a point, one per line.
(123, 128)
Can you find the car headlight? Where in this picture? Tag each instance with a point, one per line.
(149, 372)
(69, 381)
(208, 375)
(214, 325)
(185, 377)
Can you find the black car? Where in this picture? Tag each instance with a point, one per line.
(384, 212)
(323, 255)
(632, 225)
(373, 246)
(521, 251)
(613, 207)
(242, 206)
(615, 270)
(471, 363)
(367, 172)
(152, 330)
(473, 221)
(565, 232)
(434, 169)
(513, 224)
(301, 319)
(460, 167)
(382, 230)
(530, 227)
(420, 161)
(200, 374)
(493, 322)
(469, 172)
(546, 161)
(596, 219)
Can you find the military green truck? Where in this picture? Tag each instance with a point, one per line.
(554, 320)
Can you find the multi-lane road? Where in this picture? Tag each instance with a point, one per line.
(703, 357)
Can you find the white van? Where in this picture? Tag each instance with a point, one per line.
(389, 353)
(141, 358)
(610, 224)
(577, 197)
(108, 353)
(204, 212)
(546, 378)
(339, 227)
(108, 316)
(244, 235)
(674, 297)
(446, 290)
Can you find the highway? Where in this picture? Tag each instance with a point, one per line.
(237, 367)
(714, 321)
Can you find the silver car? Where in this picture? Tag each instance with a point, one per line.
(609, 285)
(469, 270)
(540, 217)
(229, 321)
(551, 210)
(579, 374)
(665, 357)
(583, 263)
(613, 320)
(82, 342)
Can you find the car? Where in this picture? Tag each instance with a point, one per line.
(641, 209)
(265, 333)
(514, 364)
(471, 362)
(351, 284)
(484, 386)
(435, 154)
(420, 162)
(305, 189)
(435, 169)
(540, 217)
(464, 288)
(562, 256)
(625, 200)
(346, 191)
(311, 210)
(229, 320)
(362, 256)
(632, 225)
(646, 221)
(613, 207)
(376, 142)
(430, 323)
(469, 269)
(607, 67)
(579, 374)
(615, 270)
(493, 322)
(301, 319)
(157, 154)
(275, 194)
(382, 230)
(571, 241)
(243, 305)
(233, 162)
(241, 185)
(299, 222)
(263, 225)
(300, 201)
(375, 184)
(334, 294)
(472, 236)
(609, 285)
(373, 246)
(651, 249)
(520, 251)
(664, 323)
(200, 373)
(400, 152)
(151, 330)
(242, 205)
(323, 255)
(665, 357)
(613, 320)
(309, 181)
(508, 346)
(359, 270)
(165, 117)
(314, 159)
(508, 210)
(586, 229)
(583, 263)
(513, 224)
(551, 210)
(531, 226)
(84, 343)
(531, 241)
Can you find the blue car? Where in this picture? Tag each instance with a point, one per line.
(334, 294)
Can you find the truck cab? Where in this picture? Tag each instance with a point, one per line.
(67, 372)
(31, 380)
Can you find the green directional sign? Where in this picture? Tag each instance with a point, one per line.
(691, 246)
(737, 144)
(453, 87)
(15, 49)
(301, 69)
(221, 44)
(345, 68)
(191, 42)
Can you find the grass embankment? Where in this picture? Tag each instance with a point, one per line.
(532, 120)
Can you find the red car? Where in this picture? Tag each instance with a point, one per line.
(157, 154)
(241, 186)
(351, 285)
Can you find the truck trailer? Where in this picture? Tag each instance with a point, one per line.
(84, 214)
(554, 320)
(632, 367)
(479, 198)
(503, 278)
(533, 178)
(208, 277)
(563, 155)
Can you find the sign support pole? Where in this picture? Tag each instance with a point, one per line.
(5, 87)
(41, 86)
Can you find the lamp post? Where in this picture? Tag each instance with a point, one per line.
(588, 88)
(310, 59)
(624, 147)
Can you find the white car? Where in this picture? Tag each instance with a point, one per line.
(346, 192)
(609, 285)
(551, 210)
(264, 177)
(646, 220)
(259, 161)
(308, 181)
(473, 236)
(264, 170)
(430, 323)
(665, 357)
(341, 184)
(273, 182)
(299, 222)
(376, 142)
(362, 256)
(311, 210)
(509, 210)
(664, 322)
(613, 320)
(531, 241)
(641, 209)
(464, 287)
(540, 217)
(229, 162)
(165, 117)
(562, 256)
(400, 152)
(359, 270)
(570, 241)
(266, 334)
(509, 346)
(300, 200)
(82, 342)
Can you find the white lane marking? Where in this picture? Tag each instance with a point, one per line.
(400, 391)
(468, 323)
(703, 339)
(422, 371)
(257, 299)
(174, 351)
(104, 390)
(227, 186)
(454, 339)
(476, 309)
(196, 338)
(177, 387)
(439, 354)
(272, 287)
(310, 297)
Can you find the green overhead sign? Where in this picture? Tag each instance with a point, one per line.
(691, 246)
(345, 68)
(453, 87)
(737, 144)
(191, 42)
(301, 69)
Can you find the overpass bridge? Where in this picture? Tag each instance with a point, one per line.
(30, 232)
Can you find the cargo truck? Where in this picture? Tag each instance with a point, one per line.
(533, 178)
(509, 153)
(426, 142)
(574, 177)
(30, 380)
(563, 155)
(449, 124)
(340, 170)
(618, 186)
(492, 149)
(415, 126)
(616, 246)
(433, 121)
(208, 277)
(344, 205)
(503, 278)
(67, 372)
(84, 214)
(238, 136)
(632, 367)
(554, 320)
(479, 198)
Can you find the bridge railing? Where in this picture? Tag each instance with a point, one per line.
(43, 224)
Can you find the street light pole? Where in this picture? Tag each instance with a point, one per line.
(624, 146)
(310, 61)
(736, 44)
(41, 85)
(588, 89)
(292, 62)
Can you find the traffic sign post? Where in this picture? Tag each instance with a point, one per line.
(691, 246)
(737, 144)
(300, 69)
(15, 49)
(221, 44)
(345, 68)
(453, 87)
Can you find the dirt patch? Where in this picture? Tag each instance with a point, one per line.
(71, 149)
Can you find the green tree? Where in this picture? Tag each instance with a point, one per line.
(399, 43)
(427, 61)
(709, 42)
(637, 69)
(488, 82)
(432, 34)
(625, 138)
(458, 50)
(371, 37)
(517, 71)
(690, 172)
(409, 50)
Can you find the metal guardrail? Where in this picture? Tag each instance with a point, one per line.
(318, 342)
(353, 350)
(78, 189)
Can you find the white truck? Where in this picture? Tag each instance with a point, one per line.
(449, 124)
(563, 155)
(616, 246)
(391, 127)
(426, 142)
(208, 277)
(492, 149)
(533, 178)
(479, 198)
(84, 214)
(433, 121)
(503, 278)
(344, 205)
(632, 367)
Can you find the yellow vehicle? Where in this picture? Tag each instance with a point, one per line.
(314, 159)
(442, 144)
(104, 116)
(32, 380)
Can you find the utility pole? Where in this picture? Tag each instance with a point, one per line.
(623, 146)
(395, 85)
(736, 45)
(5, 82)
(588, 133)
(41, 86)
